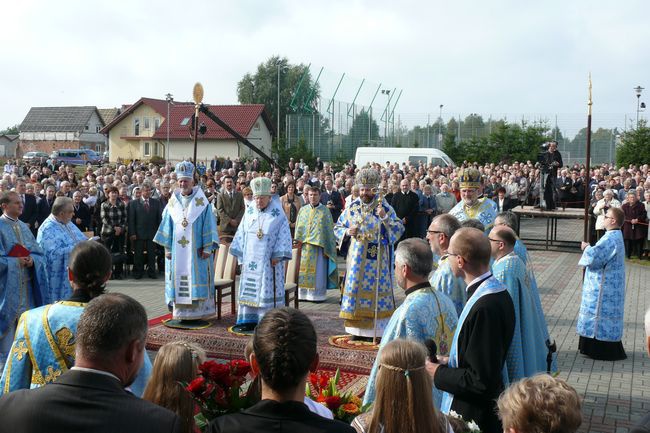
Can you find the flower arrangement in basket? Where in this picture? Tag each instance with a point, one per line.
(219, 389)
(345, 407)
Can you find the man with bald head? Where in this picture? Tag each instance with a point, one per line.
(528, 352)
(471, 376)
(406, 204)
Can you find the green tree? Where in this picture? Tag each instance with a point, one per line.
(262, 88)
(358, 133)
(10, 130)
(635, 146)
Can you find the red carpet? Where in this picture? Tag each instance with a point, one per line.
(221, 344)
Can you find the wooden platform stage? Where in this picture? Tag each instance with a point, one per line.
(552, 217)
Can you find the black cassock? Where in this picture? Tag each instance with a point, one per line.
(483, 344)
(406, 207)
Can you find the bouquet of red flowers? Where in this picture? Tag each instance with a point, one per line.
(220, 389)
(345, 407)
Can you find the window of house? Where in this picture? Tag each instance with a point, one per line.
(185, 121)
(257, 126)
(136, 126)
(147, 148)
(147, 123)
(156, 123)
(156, 149)
(97, 128)
(98, 148)
(87, 128)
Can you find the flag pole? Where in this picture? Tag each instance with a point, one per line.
(587, 197)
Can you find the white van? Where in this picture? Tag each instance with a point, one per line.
(399, 155)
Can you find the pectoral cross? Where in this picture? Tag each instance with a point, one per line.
(183, 242)
(260, 233)
(184, 223)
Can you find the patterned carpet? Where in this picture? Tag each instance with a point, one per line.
(221, 344)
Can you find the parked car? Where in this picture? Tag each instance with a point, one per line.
(76, 157)
(39, 157)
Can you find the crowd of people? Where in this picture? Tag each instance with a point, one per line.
(445, 235)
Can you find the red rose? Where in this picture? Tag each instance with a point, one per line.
(215, 371)
(209, 389)
(333, 402)
(239, 367)
(196, 386)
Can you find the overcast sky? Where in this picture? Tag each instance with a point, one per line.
(491, 57)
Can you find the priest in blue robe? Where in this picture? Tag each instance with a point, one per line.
(510, 219)
(44, 346)
(262, 244)
(600, 321)
(373, 228)
(471, 206)
(528, 352)
(425, 314)
(439, 232)
(23, 275)
(57, 236)
(188, 232)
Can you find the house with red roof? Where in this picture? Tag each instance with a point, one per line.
(145, 130)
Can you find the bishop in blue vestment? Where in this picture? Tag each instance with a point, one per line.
(188, 232)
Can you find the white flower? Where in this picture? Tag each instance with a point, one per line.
(473, 427)
(454, 414)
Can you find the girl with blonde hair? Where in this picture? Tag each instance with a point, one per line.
(175, 362)
(402, 373)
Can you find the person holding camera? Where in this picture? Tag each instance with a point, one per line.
(552, 159)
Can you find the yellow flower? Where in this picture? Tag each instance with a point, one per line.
(356, 400)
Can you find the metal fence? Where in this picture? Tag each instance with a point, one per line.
(335, 129)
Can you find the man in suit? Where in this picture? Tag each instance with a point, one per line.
(565, 184)
(406, 204)
(30, 208)
(230, 209)
(472, 375)
(490, 190)
(215, 164)
(503, 203)
(144, 217)
(82, 214)
(44, 205)
(91, 396)
(331, 198)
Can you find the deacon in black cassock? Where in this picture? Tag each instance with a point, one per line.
(471, 376)
(406, 204)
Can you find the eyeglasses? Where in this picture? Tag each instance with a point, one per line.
(433, 232)
(454, 255)
(495, 240)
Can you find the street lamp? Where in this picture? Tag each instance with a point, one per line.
(170, 100)
(440, 127)
(280, 69)
(638, 90)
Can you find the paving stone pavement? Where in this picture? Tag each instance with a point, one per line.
(615, 394)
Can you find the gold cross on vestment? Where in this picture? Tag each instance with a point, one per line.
(52, 374)
(183, 242)
(66, 342)
(20, 350)
(199, 201)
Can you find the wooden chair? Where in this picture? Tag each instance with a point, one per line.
(291, 279)
(226, 281)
